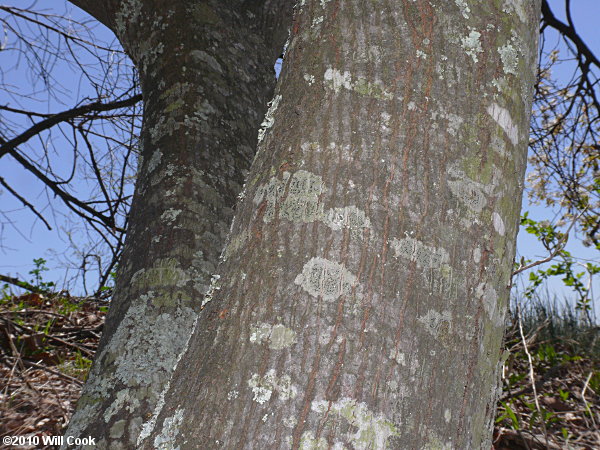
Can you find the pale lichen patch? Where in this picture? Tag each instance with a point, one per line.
(516, 6)
(510, 58)
(277, 336)
(447, 415)
(310, 79)
(309, 442)
(434, 322)
(336, 80)
(164, 336)
(166, 439)
(372, 430)
(295, 197)
(424, 255)
(489, 297)
(212, 289)
(154, 161)
(471, 44)
(348, 217)
(502, 118)
(269, 119)
(165, 272)
(498, 224)
(117, 429)
(470, 193)
(397, 356)
(264, 387)
(327, 279)
(170, 215)
(201, 55)
(124, 399)
(464, 8)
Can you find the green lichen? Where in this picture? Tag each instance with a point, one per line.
(117, 429)
(179, 103)
(277, 336)
(309, 442)
(336, 80)
(372, 430)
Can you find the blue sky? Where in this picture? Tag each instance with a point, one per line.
(30, 239)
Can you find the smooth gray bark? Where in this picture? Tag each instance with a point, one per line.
(362, 295)
(206, 70)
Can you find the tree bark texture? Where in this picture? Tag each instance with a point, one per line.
(361, 298)
(206, 71)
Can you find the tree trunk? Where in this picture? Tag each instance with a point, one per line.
(206, 71)
(361, 300)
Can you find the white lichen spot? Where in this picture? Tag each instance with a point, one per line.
(170, 215)
(454, 123)
(277, 336)
(502, 118)
(395, 355)
(434, 321)
(516, 6)
(510, 58)
(124, 399)
(154, 161)
(447, 415)
(295, 197)
(309, 442)
(269, 119)
(385, 120)
(290, 422)
(165, 272)
(424, 255)
(214, 287)
(477, 255)
(498, 224)
(372, 430)
(336, 80)
(310, 79)
(232, 395)
(316, 21)
(489, 297)
(264, 387)
(327, 279)
(471, 44)
(421, 54)
(166, 439)
(201, 55)
(348, 217)
(464, 8)
(470, 193)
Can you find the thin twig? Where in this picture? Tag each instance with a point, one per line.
(559, 247)
(532, 375)
(587, 406)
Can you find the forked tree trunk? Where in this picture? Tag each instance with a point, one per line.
(206, 70)
(362, 296)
